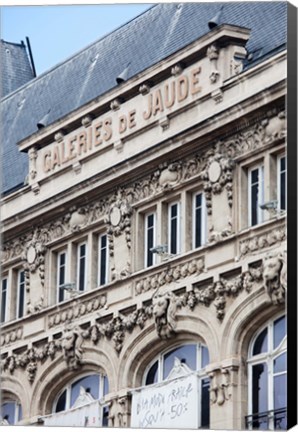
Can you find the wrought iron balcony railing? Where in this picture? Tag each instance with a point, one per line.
(269, 420)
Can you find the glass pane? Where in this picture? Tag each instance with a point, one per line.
(21, 299)
(255, 176)
(279, 331)
(152, 374)
(261, 343)
(173, 243)
(62, 259)
(8, 412)
(103, 241)
(259, 388)
(205, 356)
(61, 404)
(150, 220)
(82, 274)
(198, 225)
(280, 391)
(82, 250)
(186, 354)
(3, 305)
(90, 384)
(254, 204)
(198, 200)
(283, 164)
(280, 363)
(103, 262)
(20, 415)
(174, 210)
(105, 385)
(205, 410)
(105, 417)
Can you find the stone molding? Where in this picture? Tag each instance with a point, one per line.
(223, 378)
(165, 177)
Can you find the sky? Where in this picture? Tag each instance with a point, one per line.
(58, 32)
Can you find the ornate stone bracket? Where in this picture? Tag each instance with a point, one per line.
(222, 381)
(119, 412)
(32, 162)
(164, 308)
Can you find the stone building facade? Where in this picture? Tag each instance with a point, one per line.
(144, 259)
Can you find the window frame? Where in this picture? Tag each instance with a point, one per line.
(58, 286)
(99, 261)
(85, 258)
(260, 212)
(146, 255)
(279, 172)
(18, 414)
(178, 227)
(3, 317)
(68, 388)
(267, 358)
(21, 285)
(203, 225)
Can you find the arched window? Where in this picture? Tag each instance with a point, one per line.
(267, 374)
(169, 378)
(84, 391)
(11, 412)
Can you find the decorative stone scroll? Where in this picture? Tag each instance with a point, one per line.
(11, 336)
(32, 153)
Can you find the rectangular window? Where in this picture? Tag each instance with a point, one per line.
(149, 239)
(255, 195)
(61, 273)
(174, 228)
(199, 220)
(103, 259)
(81, 266)
(3, 300)
(282, 183)
(21, 294)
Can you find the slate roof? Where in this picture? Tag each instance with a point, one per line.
(15, 67)
(157, 33)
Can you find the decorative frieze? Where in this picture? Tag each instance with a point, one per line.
(170, 274)
(262, 241)
(77, 309)
(11, 336)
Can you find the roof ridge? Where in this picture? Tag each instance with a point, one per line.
(72, 56)
(22, 44)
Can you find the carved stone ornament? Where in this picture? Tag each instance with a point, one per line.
(164, 312)
(176, 70)
(119, 412)
(144, 89)
(87, 120)
(213, 54)
(119, 219)
(217, 175)
(32, 153)
(72, 342)
(115, 104)
(275, 277)
(221, 382)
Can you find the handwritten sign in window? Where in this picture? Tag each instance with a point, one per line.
(173, 404)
